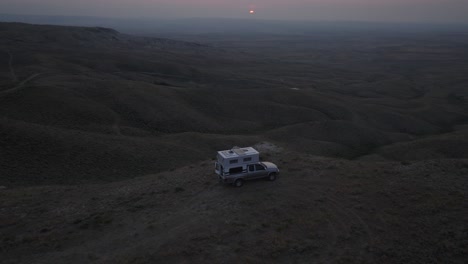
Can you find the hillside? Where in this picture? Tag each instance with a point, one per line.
(107, 142)
(320, 210)
(84, 102)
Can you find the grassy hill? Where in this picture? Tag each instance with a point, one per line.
(91, 101)
(325, 210)
(107, 142)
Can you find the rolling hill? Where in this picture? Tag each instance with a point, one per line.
(107, 141)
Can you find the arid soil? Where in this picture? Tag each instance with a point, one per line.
(319, 210)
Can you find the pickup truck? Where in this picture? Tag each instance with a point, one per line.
(238, 175)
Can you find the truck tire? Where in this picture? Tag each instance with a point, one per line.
(272, 176)
(239, 183)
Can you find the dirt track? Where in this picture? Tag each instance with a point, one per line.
(20, 85)
(10, 66)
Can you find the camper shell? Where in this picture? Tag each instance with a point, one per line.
(235, 160)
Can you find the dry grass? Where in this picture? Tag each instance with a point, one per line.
(107, 141)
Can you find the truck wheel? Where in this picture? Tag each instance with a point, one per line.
(238, 183)
(272, 176)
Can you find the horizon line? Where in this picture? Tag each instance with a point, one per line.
(149, 19)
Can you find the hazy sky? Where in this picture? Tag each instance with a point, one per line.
(365, 10)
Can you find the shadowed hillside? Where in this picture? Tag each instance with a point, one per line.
(107, 142)
(94, 104)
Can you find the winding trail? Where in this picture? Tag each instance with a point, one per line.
(20, 85)
(10, 65)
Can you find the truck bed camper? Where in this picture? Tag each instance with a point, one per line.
(238, 164)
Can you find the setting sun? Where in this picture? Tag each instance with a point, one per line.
(252, 12)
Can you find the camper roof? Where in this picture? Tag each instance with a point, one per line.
(237, 152)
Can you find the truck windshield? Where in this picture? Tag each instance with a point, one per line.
(259, 167)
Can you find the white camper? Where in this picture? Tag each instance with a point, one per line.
(235, 160)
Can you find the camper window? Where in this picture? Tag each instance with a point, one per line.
(233, 161)
(248, 159)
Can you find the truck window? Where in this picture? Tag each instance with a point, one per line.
(251, 167)
(235, 170)
(259, 167)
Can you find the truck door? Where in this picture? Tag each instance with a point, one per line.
(260, 171)
(251, 171)
(256, 171)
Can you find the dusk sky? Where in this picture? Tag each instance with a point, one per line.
(445, 11)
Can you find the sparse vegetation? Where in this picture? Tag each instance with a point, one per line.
(107, 142)
(179, 189)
